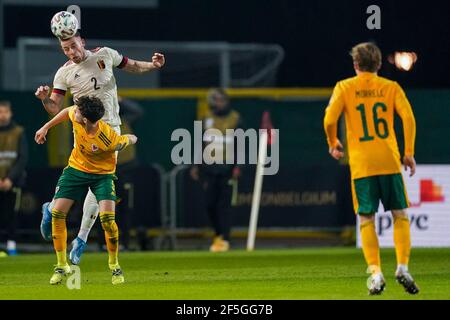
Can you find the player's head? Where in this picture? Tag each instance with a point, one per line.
(73, 48)
(5, 113)
(218, 101)
(366, 57)
(89, 109)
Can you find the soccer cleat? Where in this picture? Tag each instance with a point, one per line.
(117, 276)
(376, 284)
(12, 252)
(219, 245)
(78, 247)
(407, 281)
(60, 274)
(46, 222)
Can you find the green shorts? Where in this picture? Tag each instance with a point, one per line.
(74, 184)
(390, 189)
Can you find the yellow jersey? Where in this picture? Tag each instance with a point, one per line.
(95, 153)
(368, 102)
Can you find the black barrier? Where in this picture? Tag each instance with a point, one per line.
(317, 197)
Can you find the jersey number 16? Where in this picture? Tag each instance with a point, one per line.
(380, 125)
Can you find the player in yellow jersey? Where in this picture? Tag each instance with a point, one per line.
(92, 165)
(368, 103)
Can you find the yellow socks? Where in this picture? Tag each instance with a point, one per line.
(369, 241)
(111, 236)
(402, 240)
(59, 233)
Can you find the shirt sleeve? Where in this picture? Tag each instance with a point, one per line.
(72, 113)
(118, 60)
(113, 141)
(59, 83)
(332, 114)
(404, 110)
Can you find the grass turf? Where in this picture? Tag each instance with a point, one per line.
(325, 273)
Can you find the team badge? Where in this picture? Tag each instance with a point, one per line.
(101, 64)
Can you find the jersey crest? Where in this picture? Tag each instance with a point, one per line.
(101, 64)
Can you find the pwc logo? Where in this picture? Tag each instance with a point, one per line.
(429, 192)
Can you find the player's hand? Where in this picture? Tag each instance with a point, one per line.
(133, 139)
(42, 92)
(336, 151)
(158, 60)
(40, 136)
(408, 161)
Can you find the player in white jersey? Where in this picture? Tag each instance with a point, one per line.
(88, 73)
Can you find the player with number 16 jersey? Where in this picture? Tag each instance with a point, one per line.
(368, 102)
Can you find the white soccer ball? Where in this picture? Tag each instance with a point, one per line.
(64, 25)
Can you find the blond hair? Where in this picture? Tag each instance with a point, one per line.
(367, 56)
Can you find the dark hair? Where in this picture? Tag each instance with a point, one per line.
(5, 103)
(367, 56)
(91, 108)
(77, 34)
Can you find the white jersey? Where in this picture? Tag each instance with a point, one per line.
(93, 77)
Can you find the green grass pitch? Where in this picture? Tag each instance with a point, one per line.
(288, 274)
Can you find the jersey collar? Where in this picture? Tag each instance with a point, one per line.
(367, 75)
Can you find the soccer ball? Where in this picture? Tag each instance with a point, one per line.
(64, 25)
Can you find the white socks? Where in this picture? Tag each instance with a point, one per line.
(90, 213)
(401, 269)
(10, 245)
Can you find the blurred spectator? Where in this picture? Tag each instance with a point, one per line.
(219, 180)
(13, 159)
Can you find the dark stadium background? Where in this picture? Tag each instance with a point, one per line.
(316, 35)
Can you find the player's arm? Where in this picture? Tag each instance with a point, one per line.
(124, 141)
(40, 136)
(136, 66)
(330, 122)
(52, 104)
(116, 142)
(404, 110)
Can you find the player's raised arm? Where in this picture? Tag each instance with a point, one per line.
(135, 66)
(52, 104)
(124, 141)
(40, 136)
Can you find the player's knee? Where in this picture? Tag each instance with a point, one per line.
(58, 214)
(399, 214)
(110, 226)
(366, 218)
